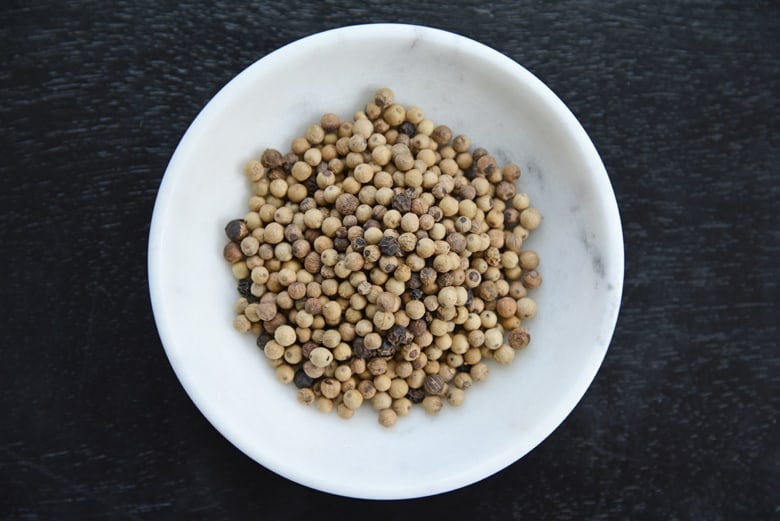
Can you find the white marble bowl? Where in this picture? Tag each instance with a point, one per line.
(474, 90)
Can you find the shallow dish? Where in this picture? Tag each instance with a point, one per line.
(502, 107)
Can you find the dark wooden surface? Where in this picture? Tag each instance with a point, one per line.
(680, 98)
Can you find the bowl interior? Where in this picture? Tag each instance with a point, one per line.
(475, 91)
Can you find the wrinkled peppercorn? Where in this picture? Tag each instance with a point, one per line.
(402, 202)
(358, 244)
(386, 349)
(416, 294)
(245, 287)
(359, 349)
(271, 158)
(434, 384)
(414, 281)
(408, 128)
(389, 246)
(415, 395)
(399, 336)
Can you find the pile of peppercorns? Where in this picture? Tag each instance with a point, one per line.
(381, 261)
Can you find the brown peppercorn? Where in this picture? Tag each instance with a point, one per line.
(531, 279)
(271, 158)
(442, 134)
(232, 253)
(506, 190)
(457, 242)
(519, 338)
(330, 122)
(506, 307)
(266, 311)
(434, 385)
(346, 204)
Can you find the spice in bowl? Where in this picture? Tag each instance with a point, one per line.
(381, 263)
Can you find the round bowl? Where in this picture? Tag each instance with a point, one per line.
(473, 89)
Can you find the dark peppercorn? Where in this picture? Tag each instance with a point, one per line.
(311, 186)
(469, 297)
(358, 244)
(399, 336)
(288, 161)
(276, 173)
(386, 349)
(359, 349)
(416, 293)
(415, 395)
(263, 339)
(511, 218)
(408, 128)
(402, 202)
(414, 282)
(236, 230)
(244, 287)
(340, 244)
(301, 379)
(445, 279)
(389, 246)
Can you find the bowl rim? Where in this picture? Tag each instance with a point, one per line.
(491, 56)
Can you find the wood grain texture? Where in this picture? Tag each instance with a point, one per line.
(680, 98)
